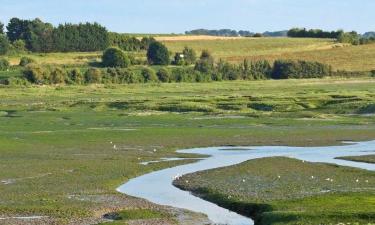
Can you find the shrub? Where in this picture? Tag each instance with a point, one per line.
(284, 69)
(128, 76)
(57, 76)
(16, 81)
(228, 71)
(206, 62)
(256, 70)
(190, 57)
(183, 74)
(149, 75)
(164, 75)
(25, 61)
(76, 76)
(115, 57)
(19, 46)
(4, 44)
(36, 74)
(4, 64)
(93, 76)
(158, 54)
(373, 73)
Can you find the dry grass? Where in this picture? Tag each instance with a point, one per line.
(197, 38)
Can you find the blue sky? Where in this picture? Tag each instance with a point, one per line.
(166, 16)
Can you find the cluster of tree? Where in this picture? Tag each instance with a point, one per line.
(37, 36)
(282, 33)
(343, 37)
(205, 70)
(234, 33)
(313, 33)
(288, 69)
(129, 43)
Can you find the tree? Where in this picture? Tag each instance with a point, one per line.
(206, 62)
(19, 46)
(114, 57)
(1, 28)
(190, 56)
(16, 29)
(158, 54)
(4, 44)
(146, 41)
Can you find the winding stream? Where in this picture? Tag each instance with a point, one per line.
(157, 186)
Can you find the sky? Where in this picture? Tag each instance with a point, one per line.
(177, 16)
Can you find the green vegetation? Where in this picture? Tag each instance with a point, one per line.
(134, 214)
(114, 57)
(289, 191)
(365, 159)
(56, 153)
(158, 54)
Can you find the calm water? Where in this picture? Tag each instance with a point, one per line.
(157, 186)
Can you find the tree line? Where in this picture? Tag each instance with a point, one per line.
(234, 33)
(341, 36)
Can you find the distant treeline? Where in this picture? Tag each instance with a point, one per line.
(234, 33)
(38, 36)
(341, 36)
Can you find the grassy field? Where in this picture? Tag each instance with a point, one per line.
(365, 159)
(351, 58)
(289, 191)
(58, 157)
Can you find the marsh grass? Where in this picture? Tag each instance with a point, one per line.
(288, 191)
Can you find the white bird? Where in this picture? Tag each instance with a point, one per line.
(114, 147)
(328, 179)
(187, 181)
(357, 181)
(279, 177)
(366, 181)
(243, 180)
(111, 142)
(154, 150)
(312, 177)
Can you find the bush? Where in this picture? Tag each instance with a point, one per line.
(57, 76)
(127, 76)
(255, 70)
(373, 73)
(164, 75)
(206, 62)
(19, 46)
(190, 57)
(285, 69)
(149, 75)
(158, 54)
(25, 61)
(76, 76)
(93, 76)
(4, 64)
(16, 81)
(228, 71)
(36, 74)
(4, 44)
(114, 57)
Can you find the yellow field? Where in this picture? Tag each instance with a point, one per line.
(236, 49)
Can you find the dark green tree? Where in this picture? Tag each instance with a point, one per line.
(158, 54)
(114, 57)
(1, 28)
(4, 44)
